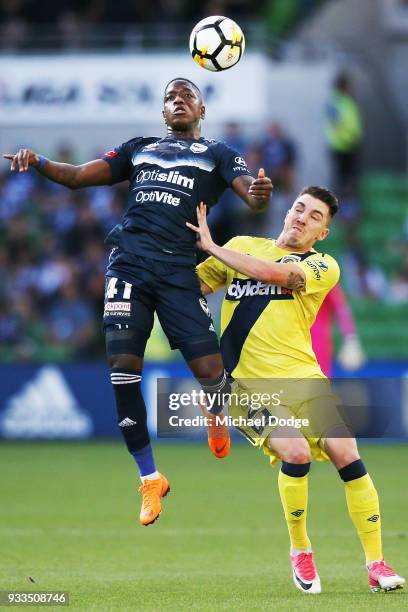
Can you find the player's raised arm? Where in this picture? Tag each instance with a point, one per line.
(286, 275)
(97, 172)
(255, 192)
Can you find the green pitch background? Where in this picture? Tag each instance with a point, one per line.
(69, 519)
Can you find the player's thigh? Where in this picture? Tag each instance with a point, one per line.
(266, 425)
(128, 317)
(185, 318)
(321, 416)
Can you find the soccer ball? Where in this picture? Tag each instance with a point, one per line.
(217, 43)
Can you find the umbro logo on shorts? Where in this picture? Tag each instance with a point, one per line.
(297, 513)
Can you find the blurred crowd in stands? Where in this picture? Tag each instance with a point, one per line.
(344, 128)
(53, 257)
(29, 23)
(52, 263)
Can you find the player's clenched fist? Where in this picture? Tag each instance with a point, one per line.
(22, 159)
(261, 187)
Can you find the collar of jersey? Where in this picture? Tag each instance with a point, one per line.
(291, 252)
(189, 139)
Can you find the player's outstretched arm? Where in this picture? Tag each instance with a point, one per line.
(286, 275)
(95, 172)
(255, 192)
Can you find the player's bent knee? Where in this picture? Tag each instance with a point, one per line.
(290, 450)
(342, 451)
(207, 367)
(297, 455)
(296, 450)
(340, 460)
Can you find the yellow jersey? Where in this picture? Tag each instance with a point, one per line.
(265, 328)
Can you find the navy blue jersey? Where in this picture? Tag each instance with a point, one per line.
(168, 178)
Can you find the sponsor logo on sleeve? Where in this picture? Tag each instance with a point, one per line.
(241, 161)
(317, 266)
(110, 154)
(322, 265)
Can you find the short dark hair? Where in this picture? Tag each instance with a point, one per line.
(324, 195)
(186, 81)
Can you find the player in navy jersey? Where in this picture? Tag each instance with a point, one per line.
(152, 261)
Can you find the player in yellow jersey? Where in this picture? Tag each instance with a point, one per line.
(273, 291)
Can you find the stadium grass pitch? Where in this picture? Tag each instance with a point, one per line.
(69, 520)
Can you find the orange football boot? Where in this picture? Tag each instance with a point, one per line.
(152, 491)
(219, 439)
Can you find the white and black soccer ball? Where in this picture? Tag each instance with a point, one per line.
(217, 43)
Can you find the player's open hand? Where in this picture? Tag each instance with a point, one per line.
(204, 239)
(22, 159)
(261, 188)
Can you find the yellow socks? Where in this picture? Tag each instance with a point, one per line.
(364, 509)
(362, 503)
(293, 490)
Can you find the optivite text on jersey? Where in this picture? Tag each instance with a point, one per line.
(157, 196)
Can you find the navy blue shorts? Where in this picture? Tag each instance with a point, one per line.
(135, 291)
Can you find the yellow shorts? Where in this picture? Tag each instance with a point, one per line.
(306, 408)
